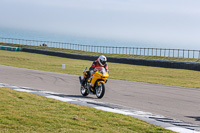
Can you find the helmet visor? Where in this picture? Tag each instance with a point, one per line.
(103, 62)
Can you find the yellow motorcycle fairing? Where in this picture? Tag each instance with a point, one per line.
(98, 77)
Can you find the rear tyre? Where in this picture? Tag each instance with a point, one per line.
(84, 91)
(100, 90)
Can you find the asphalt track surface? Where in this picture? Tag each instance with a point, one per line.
(175, 102)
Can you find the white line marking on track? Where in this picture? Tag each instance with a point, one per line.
(61, 99)
(181, 130)
(114, 110)
(23, 90)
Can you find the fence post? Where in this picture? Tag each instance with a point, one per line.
(160, 51)
(164, 52)
(136, 51)
(156, 51)
(188, 53)
(140, 51)
(193, 53)
(178, 53)
(199, 55)
(91, 48)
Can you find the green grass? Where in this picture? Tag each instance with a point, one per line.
(166, 76)
(26, 112)
(109, 55)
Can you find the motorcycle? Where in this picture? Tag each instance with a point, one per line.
(96, 83)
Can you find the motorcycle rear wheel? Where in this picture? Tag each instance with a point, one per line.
(100, 90)
(84, 91)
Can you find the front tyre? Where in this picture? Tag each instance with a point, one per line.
(84, 91)
(100, 90)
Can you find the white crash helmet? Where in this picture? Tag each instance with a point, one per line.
(102, 60)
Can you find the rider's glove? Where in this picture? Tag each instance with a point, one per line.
(91, 71)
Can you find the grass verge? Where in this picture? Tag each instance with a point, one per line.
(108, 55)
(26, 112)
(166, 76)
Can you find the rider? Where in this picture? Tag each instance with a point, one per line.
(100, 62)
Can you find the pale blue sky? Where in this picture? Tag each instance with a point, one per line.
(152, 21)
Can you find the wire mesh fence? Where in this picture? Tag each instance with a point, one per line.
(180, 53)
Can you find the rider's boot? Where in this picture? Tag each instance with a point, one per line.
(83, 82)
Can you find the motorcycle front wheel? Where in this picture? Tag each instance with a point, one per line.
(100, 90)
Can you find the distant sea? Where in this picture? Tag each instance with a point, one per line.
(42, 36)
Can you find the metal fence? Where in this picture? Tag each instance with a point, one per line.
(180, 53)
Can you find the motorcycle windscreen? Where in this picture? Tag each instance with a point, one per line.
(103, 71)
